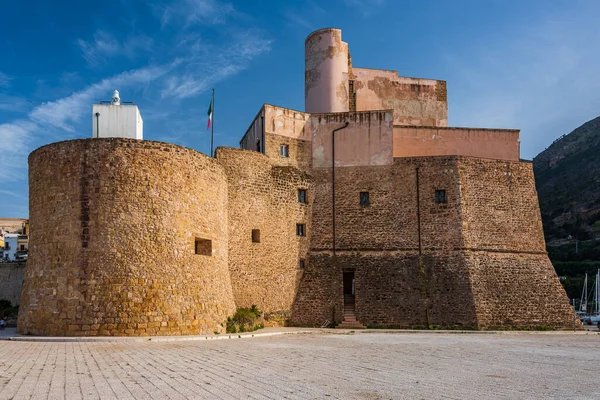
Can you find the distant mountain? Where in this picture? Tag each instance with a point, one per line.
(567, 177)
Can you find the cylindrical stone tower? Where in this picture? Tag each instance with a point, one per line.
(326, 72)
(128, 237)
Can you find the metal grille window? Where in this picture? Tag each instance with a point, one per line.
(440, 196)
(300, 230)
(284, 151)
(364, 198)
(302, 196)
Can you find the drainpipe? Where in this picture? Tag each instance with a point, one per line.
(418, 214)
(333, 179)
(262, 122)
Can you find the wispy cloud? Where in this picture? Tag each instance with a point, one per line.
(206, 64)
(191, 65)
(189, 12)
(13, 103)
(15, 137)
(64, 112)
(295, 18)
(365, 7)
(104, 46)
(540, 79)
(4, 80)
(9, 193)
(19, 136)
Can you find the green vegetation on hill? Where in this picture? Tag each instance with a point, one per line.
(567, 176)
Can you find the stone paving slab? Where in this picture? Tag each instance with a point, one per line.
(356, 365)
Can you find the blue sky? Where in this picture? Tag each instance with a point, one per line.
(531, 65)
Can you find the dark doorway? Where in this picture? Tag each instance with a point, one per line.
(348, 287)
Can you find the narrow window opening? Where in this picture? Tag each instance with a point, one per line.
(364, 198)
(284, 151)
(300, 230)
(258, 145)
(301, 263)
(255, 235)
(440, 196)
(302, 196)
(203, 247)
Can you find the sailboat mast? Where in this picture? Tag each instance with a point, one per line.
(597, 288)
(582, 303)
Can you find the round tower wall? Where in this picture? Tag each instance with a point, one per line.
(326, 72)
(128, 238)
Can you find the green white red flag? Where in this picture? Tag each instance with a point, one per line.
(210, 113)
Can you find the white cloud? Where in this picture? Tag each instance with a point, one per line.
(15, 137)
(4, 80)
(105, 46)
(365, 7)
(190, 12)
(10, 193)
(64, 112)
(205, 65)
(196, 66)
(12, 103)
(540, 78)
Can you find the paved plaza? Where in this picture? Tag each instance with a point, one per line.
(309, 366)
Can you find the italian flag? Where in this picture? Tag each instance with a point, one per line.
(210, 113)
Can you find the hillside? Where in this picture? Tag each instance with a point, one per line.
(567, 176)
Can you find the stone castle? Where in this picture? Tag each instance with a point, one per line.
(365, 210)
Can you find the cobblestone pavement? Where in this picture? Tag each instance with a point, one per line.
(309, 366)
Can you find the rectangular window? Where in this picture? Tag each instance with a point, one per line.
(300, 230)
(255, 235)
(440, 196)
(258, 145)
(302, 196)
(203, 247)
(301, 263)
(364, 198)
(284, 151)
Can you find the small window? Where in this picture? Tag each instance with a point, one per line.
(258, 145)
(440, 196)
(284, 151)
(300, 230)
(203, 247)
(301, 263)
(301, 195)
(364, 198)
(255, 235)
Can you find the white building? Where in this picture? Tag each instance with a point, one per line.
(117, 120)
(10, 246)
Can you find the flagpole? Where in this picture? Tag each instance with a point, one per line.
(212, 133)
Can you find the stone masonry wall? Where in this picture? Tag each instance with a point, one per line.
(380, 242)
(451, 283)
(300, 151)
(415, 101)
(11, 282)
(514, 282)
(112, 246)
(264, 197)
